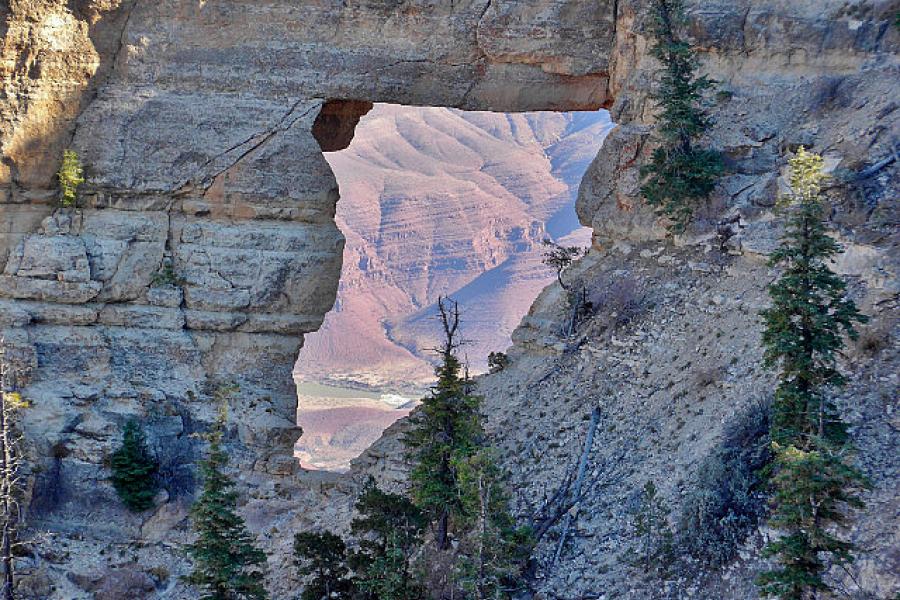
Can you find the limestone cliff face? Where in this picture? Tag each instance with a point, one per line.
(197, 124)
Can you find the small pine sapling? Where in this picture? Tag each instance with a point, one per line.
(493, 550)
(227, 564)
(654, 552)
(497, 361)
(133, 470)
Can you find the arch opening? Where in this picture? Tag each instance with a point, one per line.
(434, 201)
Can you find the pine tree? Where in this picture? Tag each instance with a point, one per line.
(812, 489)
(809, 316)
(133, 471)
(70, 175)
(390, 528)
(813, 481)
(324, 557)
(227, 563)
(680, 173)
(445, 429)
(651, 525)
(493, 550)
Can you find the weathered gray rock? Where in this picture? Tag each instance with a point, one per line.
(195, 122)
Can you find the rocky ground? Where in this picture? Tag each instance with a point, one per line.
(672, 358)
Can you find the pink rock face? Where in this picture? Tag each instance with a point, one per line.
(442, 202)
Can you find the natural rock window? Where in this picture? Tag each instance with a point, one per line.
(434, 201)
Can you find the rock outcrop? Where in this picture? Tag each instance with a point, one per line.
(195, 123)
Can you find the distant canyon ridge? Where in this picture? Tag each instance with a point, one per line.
(437, 201)
(434, 202)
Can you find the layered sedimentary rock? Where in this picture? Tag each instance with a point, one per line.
(196, 121)
(435, 201)
(204, 242)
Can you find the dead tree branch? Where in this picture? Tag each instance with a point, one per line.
(579, 480)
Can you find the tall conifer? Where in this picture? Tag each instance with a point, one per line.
(813, 480)
(445, 430)
(681, 173)
(227, 563)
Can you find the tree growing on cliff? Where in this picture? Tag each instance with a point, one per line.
(324, 557)
(805, 328)
(445, 430)
(133, 470)
(227, 563)
(681, 173)
(70, 175)
(12, 482)
(561, 258)
(809, 315)
(390, 528)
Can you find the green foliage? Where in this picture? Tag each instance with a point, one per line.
(166, 275)
(725, 501)
(680, 173)
(446, 430)
(810, 312)
(493, 549)
(323, 556)
(651, 526)
(813, 481)
(812, 491)
(133, 470)
(497, 361)
(561, 258)
(390, 528)
(70, 175)
(227, 563)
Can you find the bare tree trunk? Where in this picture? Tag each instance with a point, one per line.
(443, 526)
(6, 491)
(582, 467)
(484, 498)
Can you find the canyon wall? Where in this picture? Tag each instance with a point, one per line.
(198, 124)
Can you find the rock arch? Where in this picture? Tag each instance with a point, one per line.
(201, 127)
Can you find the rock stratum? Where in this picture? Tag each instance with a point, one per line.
(202, 126)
